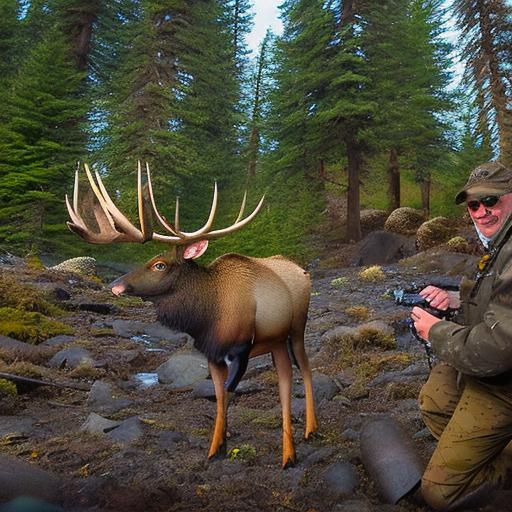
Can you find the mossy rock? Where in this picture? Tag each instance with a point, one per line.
(434, 232)
(20, 296)
(404, 221)
(459, 244)
(372, 219)
(30, 327)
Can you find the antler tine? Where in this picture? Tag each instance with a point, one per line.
(145, 220)
(165, 224)
(177, 215)
(199, 235)
(99, 195)
(237, 225)
(242, 208)
(208, 224)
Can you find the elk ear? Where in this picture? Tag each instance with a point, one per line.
(195, 250)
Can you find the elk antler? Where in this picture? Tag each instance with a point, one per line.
(115, 227)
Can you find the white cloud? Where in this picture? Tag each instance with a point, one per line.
(266, 15)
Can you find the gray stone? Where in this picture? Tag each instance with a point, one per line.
(168, 440)
(61, 339)
(319, 455)
(15, 425)
(205, 389)
(157, 331)
(341, 478)
(96, 424)
(337, 332)
(127, 432)
(21, 348)
(28, 504)
(18, 478)
(350, 434)
(183, 369)
(102, 398)
(324, 388)
(71, 357)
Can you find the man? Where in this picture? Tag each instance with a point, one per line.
(467, 400)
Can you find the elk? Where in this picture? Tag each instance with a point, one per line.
(236, 308)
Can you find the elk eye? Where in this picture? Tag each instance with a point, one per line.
(159, 266)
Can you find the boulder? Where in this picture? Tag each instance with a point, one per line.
(372, 219)
(183, 369)
(83, 265)
(382, 247)
(71, 357)
(341, 478)
(404, 220)
(19, 478)
(434, 232)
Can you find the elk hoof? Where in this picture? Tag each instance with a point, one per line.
(219, 453)
(289, 462)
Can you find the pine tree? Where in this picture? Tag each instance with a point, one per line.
(40, 143)
(486, 38)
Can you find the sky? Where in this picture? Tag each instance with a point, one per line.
(266, 15)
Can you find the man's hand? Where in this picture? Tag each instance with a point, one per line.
(423, 321)
(440, 299)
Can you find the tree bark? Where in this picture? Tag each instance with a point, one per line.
(393, 180)
(353, 202)
(425, 195)
(499, 98)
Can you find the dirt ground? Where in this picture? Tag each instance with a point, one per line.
(165, 466)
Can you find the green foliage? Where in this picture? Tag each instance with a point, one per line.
(29, 327)
(7, 387)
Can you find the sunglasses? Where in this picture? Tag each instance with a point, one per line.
(488, 202)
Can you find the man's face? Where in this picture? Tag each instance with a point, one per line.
(490, 219)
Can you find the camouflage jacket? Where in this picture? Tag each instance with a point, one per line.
(479, 342)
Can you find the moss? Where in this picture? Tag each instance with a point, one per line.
(102, 332)
(86, 371)
(339, 281)
(246, 452)
(17, 295)
(268, 419)
(7, 387)
(34, 262)
(403, 390)
(30, 327)
(25, 369)
(372, 274)
(376, 338)
(359, 313)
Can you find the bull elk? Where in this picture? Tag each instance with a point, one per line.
(236, 308)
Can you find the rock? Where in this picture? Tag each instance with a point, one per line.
(378, 325)
(345, 378)
(404, 221)
(383, 247)
(419, 369)
(169, 440)
(20, 348)
(324, 388)
(9, 259)
(434, 232)
(96, 424)
(15, 425)
(28, 504)
(372, 219)
(71, 357)
(337, 333)
(83, 265)
(205, 389)
(350, 434)
(340, 479)
(18, 478)
(129, 328)
(59, 293)
(101, 398)
(184, 369)
(319, 455)
(61, 339)
(127, 432)
(94, 307)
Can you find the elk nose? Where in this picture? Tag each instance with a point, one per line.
(118, 287)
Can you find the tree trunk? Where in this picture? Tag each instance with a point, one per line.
(498, 93)
(425, 195)
(353, 203)
(393, 180)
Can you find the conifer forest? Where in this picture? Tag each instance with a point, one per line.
(378, 104)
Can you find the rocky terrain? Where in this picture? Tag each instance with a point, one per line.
(120, 410)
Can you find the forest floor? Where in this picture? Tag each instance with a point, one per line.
(158, 461)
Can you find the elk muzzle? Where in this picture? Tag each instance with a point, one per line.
(119, 286)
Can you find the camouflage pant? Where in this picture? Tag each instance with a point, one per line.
(473, 424)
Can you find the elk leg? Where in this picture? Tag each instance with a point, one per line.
(218, 443)
(237, 359)
(297, 345)
(284, 373)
